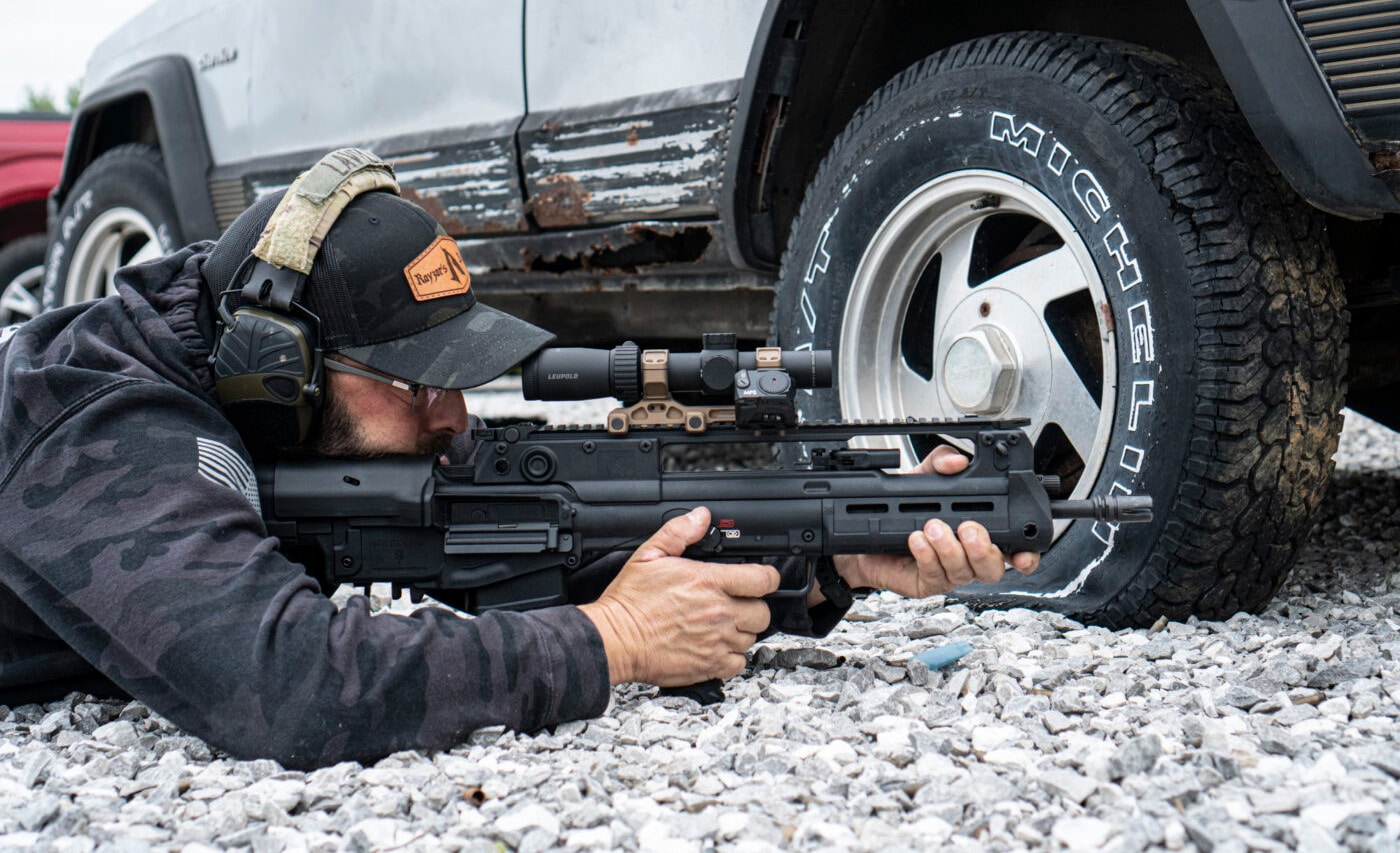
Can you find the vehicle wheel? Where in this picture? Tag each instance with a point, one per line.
(21, 276)
(119, 212)
(1082, 233)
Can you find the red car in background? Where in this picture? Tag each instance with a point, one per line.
(31, 158)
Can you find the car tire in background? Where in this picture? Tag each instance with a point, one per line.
(21, 278)
(119, 212)
(1083, 234)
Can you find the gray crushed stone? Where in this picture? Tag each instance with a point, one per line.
(1259, 733)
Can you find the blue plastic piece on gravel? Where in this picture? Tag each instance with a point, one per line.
(941, 656)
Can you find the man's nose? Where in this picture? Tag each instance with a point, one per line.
(448, 414)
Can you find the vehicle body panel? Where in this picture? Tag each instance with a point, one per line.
(211, 36)
(1275, 76)
(31, 159)
(369, 70)
(580, 52)
(31, 156)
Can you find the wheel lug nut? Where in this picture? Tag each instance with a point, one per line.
(980, 371)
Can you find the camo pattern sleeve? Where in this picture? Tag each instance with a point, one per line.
(130, 530)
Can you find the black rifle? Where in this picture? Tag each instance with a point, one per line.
(511, 528)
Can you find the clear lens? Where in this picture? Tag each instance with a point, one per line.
(429, 395)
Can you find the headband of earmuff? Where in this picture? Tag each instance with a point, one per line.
(267, 360)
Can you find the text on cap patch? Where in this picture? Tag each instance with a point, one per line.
(438, 271)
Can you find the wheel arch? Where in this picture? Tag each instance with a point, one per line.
(156, 103)
(795, 100)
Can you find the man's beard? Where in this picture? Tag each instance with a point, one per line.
(339, 436)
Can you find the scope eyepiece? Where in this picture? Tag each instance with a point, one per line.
(579, 373)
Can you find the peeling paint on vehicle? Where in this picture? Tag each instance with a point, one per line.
(558, 202)
(468, 189)
(702, 140)
(630, 128)
(666, 164)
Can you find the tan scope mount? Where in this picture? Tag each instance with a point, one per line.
(658, 408)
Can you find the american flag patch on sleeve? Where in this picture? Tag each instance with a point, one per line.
(219, 463)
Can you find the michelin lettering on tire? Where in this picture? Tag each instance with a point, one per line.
(1085, 187)
(58, 250)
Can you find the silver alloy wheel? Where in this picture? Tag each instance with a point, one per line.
(989, 334)
(19, 301)
(117, 237)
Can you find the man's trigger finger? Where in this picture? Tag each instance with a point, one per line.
(748, 580)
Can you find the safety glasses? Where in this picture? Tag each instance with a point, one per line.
(431, 395)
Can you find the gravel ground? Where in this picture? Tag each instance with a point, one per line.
(1269, 732)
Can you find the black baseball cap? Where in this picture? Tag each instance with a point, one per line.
(392, 292)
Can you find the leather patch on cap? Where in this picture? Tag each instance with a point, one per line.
(438, 271)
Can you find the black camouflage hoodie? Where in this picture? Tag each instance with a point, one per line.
(132, 555)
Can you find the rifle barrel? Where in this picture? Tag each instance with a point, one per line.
(1114, 508)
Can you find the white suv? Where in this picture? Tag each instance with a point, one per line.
(1122, 222)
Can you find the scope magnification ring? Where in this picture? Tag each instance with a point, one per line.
(626, 365)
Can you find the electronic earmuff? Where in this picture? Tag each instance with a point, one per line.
(267, 359)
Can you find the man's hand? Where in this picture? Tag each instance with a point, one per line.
(670, 621)
(940, 559)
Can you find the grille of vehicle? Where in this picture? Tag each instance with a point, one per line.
(230, 199)
(1357, 46)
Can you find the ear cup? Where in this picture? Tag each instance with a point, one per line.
(267, 375)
